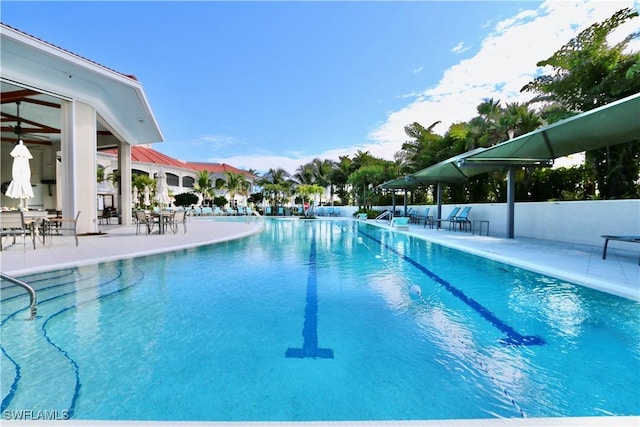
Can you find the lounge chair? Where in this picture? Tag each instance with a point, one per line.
(280, 211)
(64, 224)
(461, 219)
(400, 222)
(12, 224)
(424, 217)
(142, 219)
(607, 237)
(450, 218)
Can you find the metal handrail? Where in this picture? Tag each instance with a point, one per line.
(30, 290)
(384, 214)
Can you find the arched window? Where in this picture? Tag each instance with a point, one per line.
(173, 180)
(188, 181)
(139, 172)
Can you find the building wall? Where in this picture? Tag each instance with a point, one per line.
(581, 222)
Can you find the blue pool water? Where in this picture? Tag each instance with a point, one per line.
(317, 320)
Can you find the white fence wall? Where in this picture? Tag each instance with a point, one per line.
(581, 222)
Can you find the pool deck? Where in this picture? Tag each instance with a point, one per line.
(618, 274)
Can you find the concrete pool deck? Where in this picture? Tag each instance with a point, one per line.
(619, 274)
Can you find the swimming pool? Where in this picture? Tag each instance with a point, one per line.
(317, 320)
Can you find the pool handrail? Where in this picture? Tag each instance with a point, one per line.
(385, 214)
(30, 290)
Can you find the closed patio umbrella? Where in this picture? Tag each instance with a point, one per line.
(162, 191)
(146, 196)
(20, 185)
(136, 196)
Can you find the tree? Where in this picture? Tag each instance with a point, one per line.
(588, 73)
(204, 185)
(322, 172)
(236, 183)
(276, 185)
(339, 178)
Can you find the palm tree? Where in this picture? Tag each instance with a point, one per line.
(322, 170)
(276, 184)
(204, 184)
(236, 183)
(339, 178)
(304, 174)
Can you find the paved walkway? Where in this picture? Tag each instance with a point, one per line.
(618, 274)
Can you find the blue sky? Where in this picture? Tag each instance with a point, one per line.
(275, 84)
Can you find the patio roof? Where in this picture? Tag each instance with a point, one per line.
(615, 123)
(611, 124)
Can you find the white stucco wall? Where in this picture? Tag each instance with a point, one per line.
(581, 222)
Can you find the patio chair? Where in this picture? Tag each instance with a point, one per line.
(12, 224)
(461, 219)
(64, 224)
(424, 217)
(179, 218)
(450, 218)
(142, 219)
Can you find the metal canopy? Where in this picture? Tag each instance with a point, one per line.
(615, 123)
(611, 124)
(453, 170)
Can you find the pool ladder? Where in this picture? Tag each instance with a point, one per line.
(385, 214)
(32, 292)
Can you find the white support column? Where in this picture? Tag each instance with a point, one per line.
(78, 164)
(125, 187)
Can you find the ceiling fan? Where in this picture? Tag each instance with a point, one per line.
(18, 130)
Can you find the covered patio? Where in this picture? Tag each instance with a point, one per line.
(69, 107)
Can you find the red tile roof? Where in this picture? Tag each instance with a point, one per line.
(144, 154)
(217, 168)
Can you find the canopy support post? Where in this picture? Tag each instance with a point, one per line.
(511, 197)
(439, 200)
(405, 202)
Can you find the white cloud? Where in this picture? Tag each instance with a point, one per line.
(216, 141)
(460, 47)
(505, 62)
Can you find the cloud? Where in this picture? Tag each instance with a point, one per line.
(460, 47)
(217, 141)
(418, 70)
(505, 62)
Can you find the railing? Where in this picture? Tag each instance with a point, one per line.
(384, 215)
(252, 214)
(32, 292)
